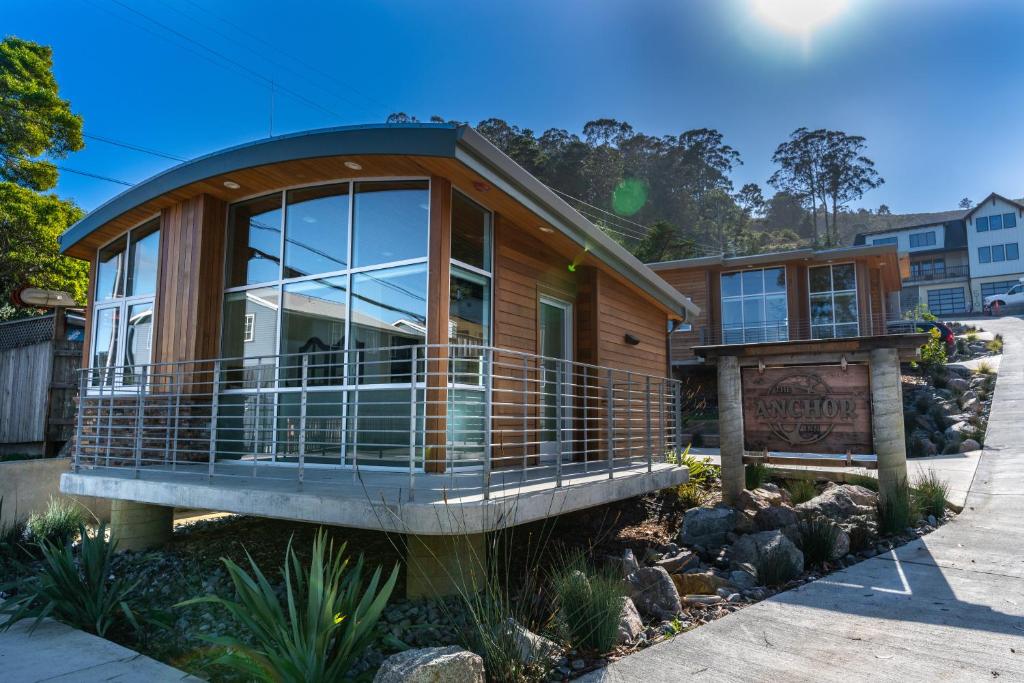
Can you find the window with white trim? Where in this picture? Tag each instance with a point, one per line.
(125, 286)
(754, 306)
(833, 299)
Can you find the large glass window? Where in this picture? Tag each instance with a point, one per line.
(754, 306)
(390, 222)
(316, 231)
(471, 232)
(313, 331)
(922, 239)
(254, 241)
(126, 277)
(833, 299)
(389, 315)
(249, 337)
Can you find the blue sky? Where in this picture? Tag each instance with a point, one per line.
(935, 86)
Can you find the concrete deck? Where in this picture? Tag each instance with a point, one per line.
(434, 504)
(949, 606)
(55, 652)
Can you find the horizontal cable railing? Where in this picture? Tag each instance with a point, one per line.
(761, 332)
(478, 417)
(931, 274)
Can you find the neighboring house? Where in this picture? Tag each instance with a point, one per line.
(957, 261)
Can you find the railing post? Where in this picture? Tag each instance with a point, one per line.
(412, 415)
(647, 417)
(303, 395)
(585, 411)
(258, 421)
(140, 379)
(679, 419)
(488, 426)
(559, 419)
(214, 405)
(629, 417)
(526, 409)
(82, 384)
(110, 418)
(610, 426)
(662, 426)
(177, 422)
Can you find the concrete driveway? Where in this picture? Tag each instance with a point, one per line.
(948, 607)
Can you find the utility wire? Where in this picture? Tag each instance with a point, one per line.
(127, 145)
(69, 170)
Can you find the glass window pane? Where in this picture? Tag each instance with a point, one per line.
(313, 327)
(1012, 251)
(378, 427)
(984, 254)
(110, 274)
(846, 308)
(389, 310)
(821, 309)
(732, 321)
(1009, 220)
(981, 223)
(391, 222)
(844, 277)
(254, 241)
(249, 357)
(138, 340)
(323, 426)
(245, 427)
(775, 308)
(753, 312)
(316, 232)
(995, 222)
(469, 326)
(143, 260)
(731, 284)
(774, 280)
(822, 331)
(846, 330)
(105, 345)
(471, 232)
(753, 282)
(997, 252)
(821, 278)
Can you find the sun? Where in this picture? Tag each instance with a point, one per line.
(798, 16)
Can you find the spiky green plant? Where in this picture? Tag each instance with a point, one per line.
(756, 473)
(930, 493)
(702, 472)
(691, 495)
(82, 593)
(58, 523)
(897, 510)
(589, 603)
(324, 623)
(801, 490)
(773, 567)
(868, 482)
(817, 539)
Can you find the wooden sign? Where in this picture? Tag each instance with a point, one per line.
(808, 409)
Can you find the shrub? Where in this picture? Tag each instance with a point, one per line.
(938, 415)
(996, 345)
(972, 335)
(324, 625)
(961, 346)
(756, 474)
(940, 380)
(691, 495)
(702, 472)
(58, 524)
(922, 403)
(81, 593)
(817, 539)
(801, 490)
(919, 312)
(898, 511)
(864, 480)
(589, 603)
(930, 494)
(773, 568)
(984, 368)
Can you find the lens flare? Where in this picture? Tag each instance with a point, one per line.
(629, 196)
(798, 16)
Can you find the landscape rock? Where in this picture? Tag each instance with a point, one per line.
(754, 548)
(957, 429)
(532, 647)
(741, 579)
(841, 547)
(968, 396)
(630, 625)
(654, 593)
(779, 517)
(694, 600)
(969, 445)
(760, 498)
(449, 664)
(698, 582)
(707, 526)
(679, 562)
(958, 384)
(628, 562)
(840, 502)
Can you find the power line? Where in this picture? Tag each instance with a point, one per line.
(88, 174)
(137, 148)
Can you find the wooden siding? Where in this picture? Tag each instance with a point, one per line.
(695, 284)
(24, 386)
(438, 303)
(620, 313)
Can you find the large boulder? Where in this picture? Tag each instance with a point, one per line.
(777, 517)
(680, 562)
(627, 562)
(766, 495)
(840, 502)
(769, 546)
(700, 583)
(630, 625)
(530, 646)
(958, 384)
(449, 664)
(653, 593)
(957, 430)
(707, 526)
(969, 445)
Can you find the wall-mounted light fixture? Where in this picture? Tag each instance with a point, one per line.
(354, 165)
(231, 185)
(631, 340)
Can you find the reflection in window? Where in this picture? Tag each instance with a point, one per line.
(143, 261)
(754, 306)
(313, 329)
(322, 426)
(469, 324)
(380, 432)
(833, 299)
(110, 274)
(105, 345)
(390, 222)
(471, 232)
(248, 357)
(389, 312)
(138, 340)
(254, 241)
(316, 234)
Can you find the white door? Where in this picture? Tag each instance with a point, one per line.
(556, 379)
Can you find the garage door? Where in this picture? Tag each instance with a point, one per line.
(949, 300)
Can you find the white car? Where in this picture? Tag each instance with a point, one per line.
(1015, 295)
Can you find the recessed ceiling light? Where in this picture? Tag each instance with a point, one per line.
(353, 165)
(231, 185)
(544, 228)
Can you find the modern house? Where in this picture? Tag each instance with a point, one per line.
(960, 257)
(366, 326)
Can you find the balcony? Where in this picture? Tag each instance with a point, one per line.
(799, 330)
(947, 273)
(397, 438)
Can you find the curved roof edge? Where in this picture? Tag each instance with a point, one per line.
(416, 139)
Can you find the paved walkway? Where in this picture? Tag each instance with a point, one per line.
(947, 607)
(55, 652)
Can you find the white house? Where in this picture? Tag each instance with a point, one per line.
(994, 230)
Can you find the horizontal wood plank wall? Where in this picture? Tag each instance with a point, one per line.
(438, 301)
(190, 281)
(90, 294)
(524, 269)
(863, 296)
(695, 284)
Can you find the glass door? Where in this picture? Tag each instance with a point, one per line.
(556, 377)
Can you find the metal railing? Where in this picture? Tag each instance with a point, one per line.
(797, 330)
(482, 414)
(939, 273)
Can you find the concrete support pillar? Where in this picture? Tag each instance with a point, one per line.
(140, 526)
(887, 419)
(730, 428)
(444, 565)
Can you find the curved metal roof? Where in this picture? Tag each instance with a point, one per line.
(458, 142)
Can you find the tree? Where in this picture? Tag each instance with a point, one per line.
(751, 200)
(34, 121)
(883, 210)
(401, 117)
(801, 173)
(966, 203)
(848, 174)
(663, 243)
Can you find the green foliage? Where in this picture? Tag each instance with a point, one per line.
(962, 348)
(817, 539)
(756, 474)
(589, 603)
(58, 524)
(864, 480)
(972, 335)
(691, 495)
(984, 368)
(996, 345)
(933, 353)
(773, 567)
(82, 593)
(919, 312)
(325, 622)
(930, 494)
(898, 511)
(702, 472)
(801, 490)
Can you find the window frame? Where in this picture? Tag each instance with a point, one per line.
(833, 291)
(123, 304)
(944, 292)
(926, 238)
(764, 326)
